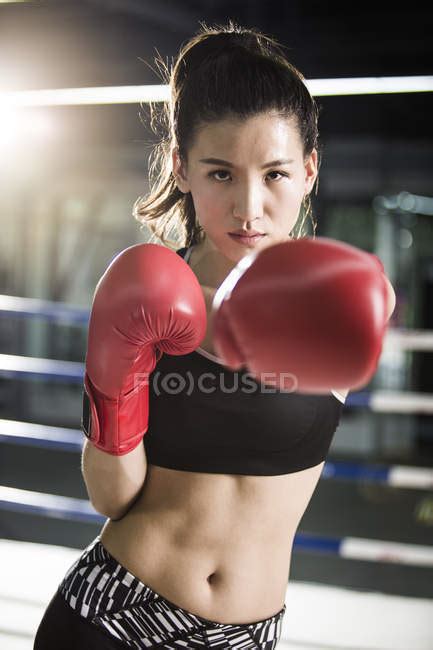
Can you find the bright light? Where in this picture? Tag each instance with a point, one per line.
(370, 85)
(161, 93)
(90, 96)
(9, 126)
(18, 127)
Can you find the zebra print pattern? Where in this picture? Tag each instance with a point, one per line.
(106, 594)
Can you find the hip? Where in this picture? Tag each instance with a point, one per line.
(107, 595)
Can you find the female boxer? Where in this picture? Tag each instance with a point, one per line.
(203, 471)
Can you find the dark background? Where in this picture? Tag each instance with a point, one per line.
(58, 44)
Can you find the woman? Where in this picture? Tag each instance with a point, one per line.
(201, 517)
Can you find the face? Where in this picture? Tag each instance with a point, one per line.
(242, 190)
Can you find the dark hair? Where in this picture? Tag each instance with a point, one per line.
(222, 71)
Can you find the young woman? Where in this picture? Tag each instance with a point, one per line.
(201, 517)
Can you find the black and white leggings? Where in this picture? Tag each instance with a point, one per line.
(100, 605)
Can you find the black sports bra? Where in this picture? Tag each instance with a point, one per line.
(207, 418)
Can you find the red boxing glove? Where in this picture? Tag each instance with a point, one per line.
(304, 315)
(147, 302)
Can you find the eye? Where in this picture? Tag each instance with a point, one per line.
(223, 171)
(217, 171)
(279, 174)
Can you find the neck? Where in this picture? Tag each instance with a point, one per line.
(209, 264)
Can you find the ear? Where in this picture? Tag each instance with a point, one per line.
(311, 171)
(179, 171)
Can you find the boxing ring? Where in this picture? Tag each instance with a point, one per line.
(344, 618)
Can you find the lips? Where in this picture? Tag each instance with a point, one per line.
(246, 236)
(246, 233)
(247, 240)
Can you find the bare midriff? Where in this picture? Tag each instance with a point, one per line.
(217, 545)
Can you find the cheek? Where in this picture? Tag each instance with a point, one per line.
(286, 209)
(208, 201)
(294, 189)
(287, 198)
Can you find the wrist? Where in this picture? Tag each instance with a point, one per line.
(114, 425)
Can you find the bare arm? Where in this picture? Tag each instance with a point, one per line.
(113, 482)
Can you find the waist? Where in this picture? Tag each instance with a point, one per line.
(238, 575)
(217, 545)
(212, 515)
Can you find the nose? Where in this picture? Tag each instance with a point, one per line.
(248, 203)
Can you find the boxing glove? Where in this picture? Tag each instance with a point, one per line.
(303, 315)
(147, 302)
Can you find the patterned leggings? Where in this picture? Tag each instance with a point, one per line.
(100, 605)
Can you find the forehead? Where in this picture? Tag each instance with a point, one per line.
(263, 133)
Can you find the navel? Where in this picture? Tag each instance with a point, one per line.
(211, 578)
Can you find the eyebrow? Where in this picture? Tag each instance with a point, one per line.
(272, 163)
